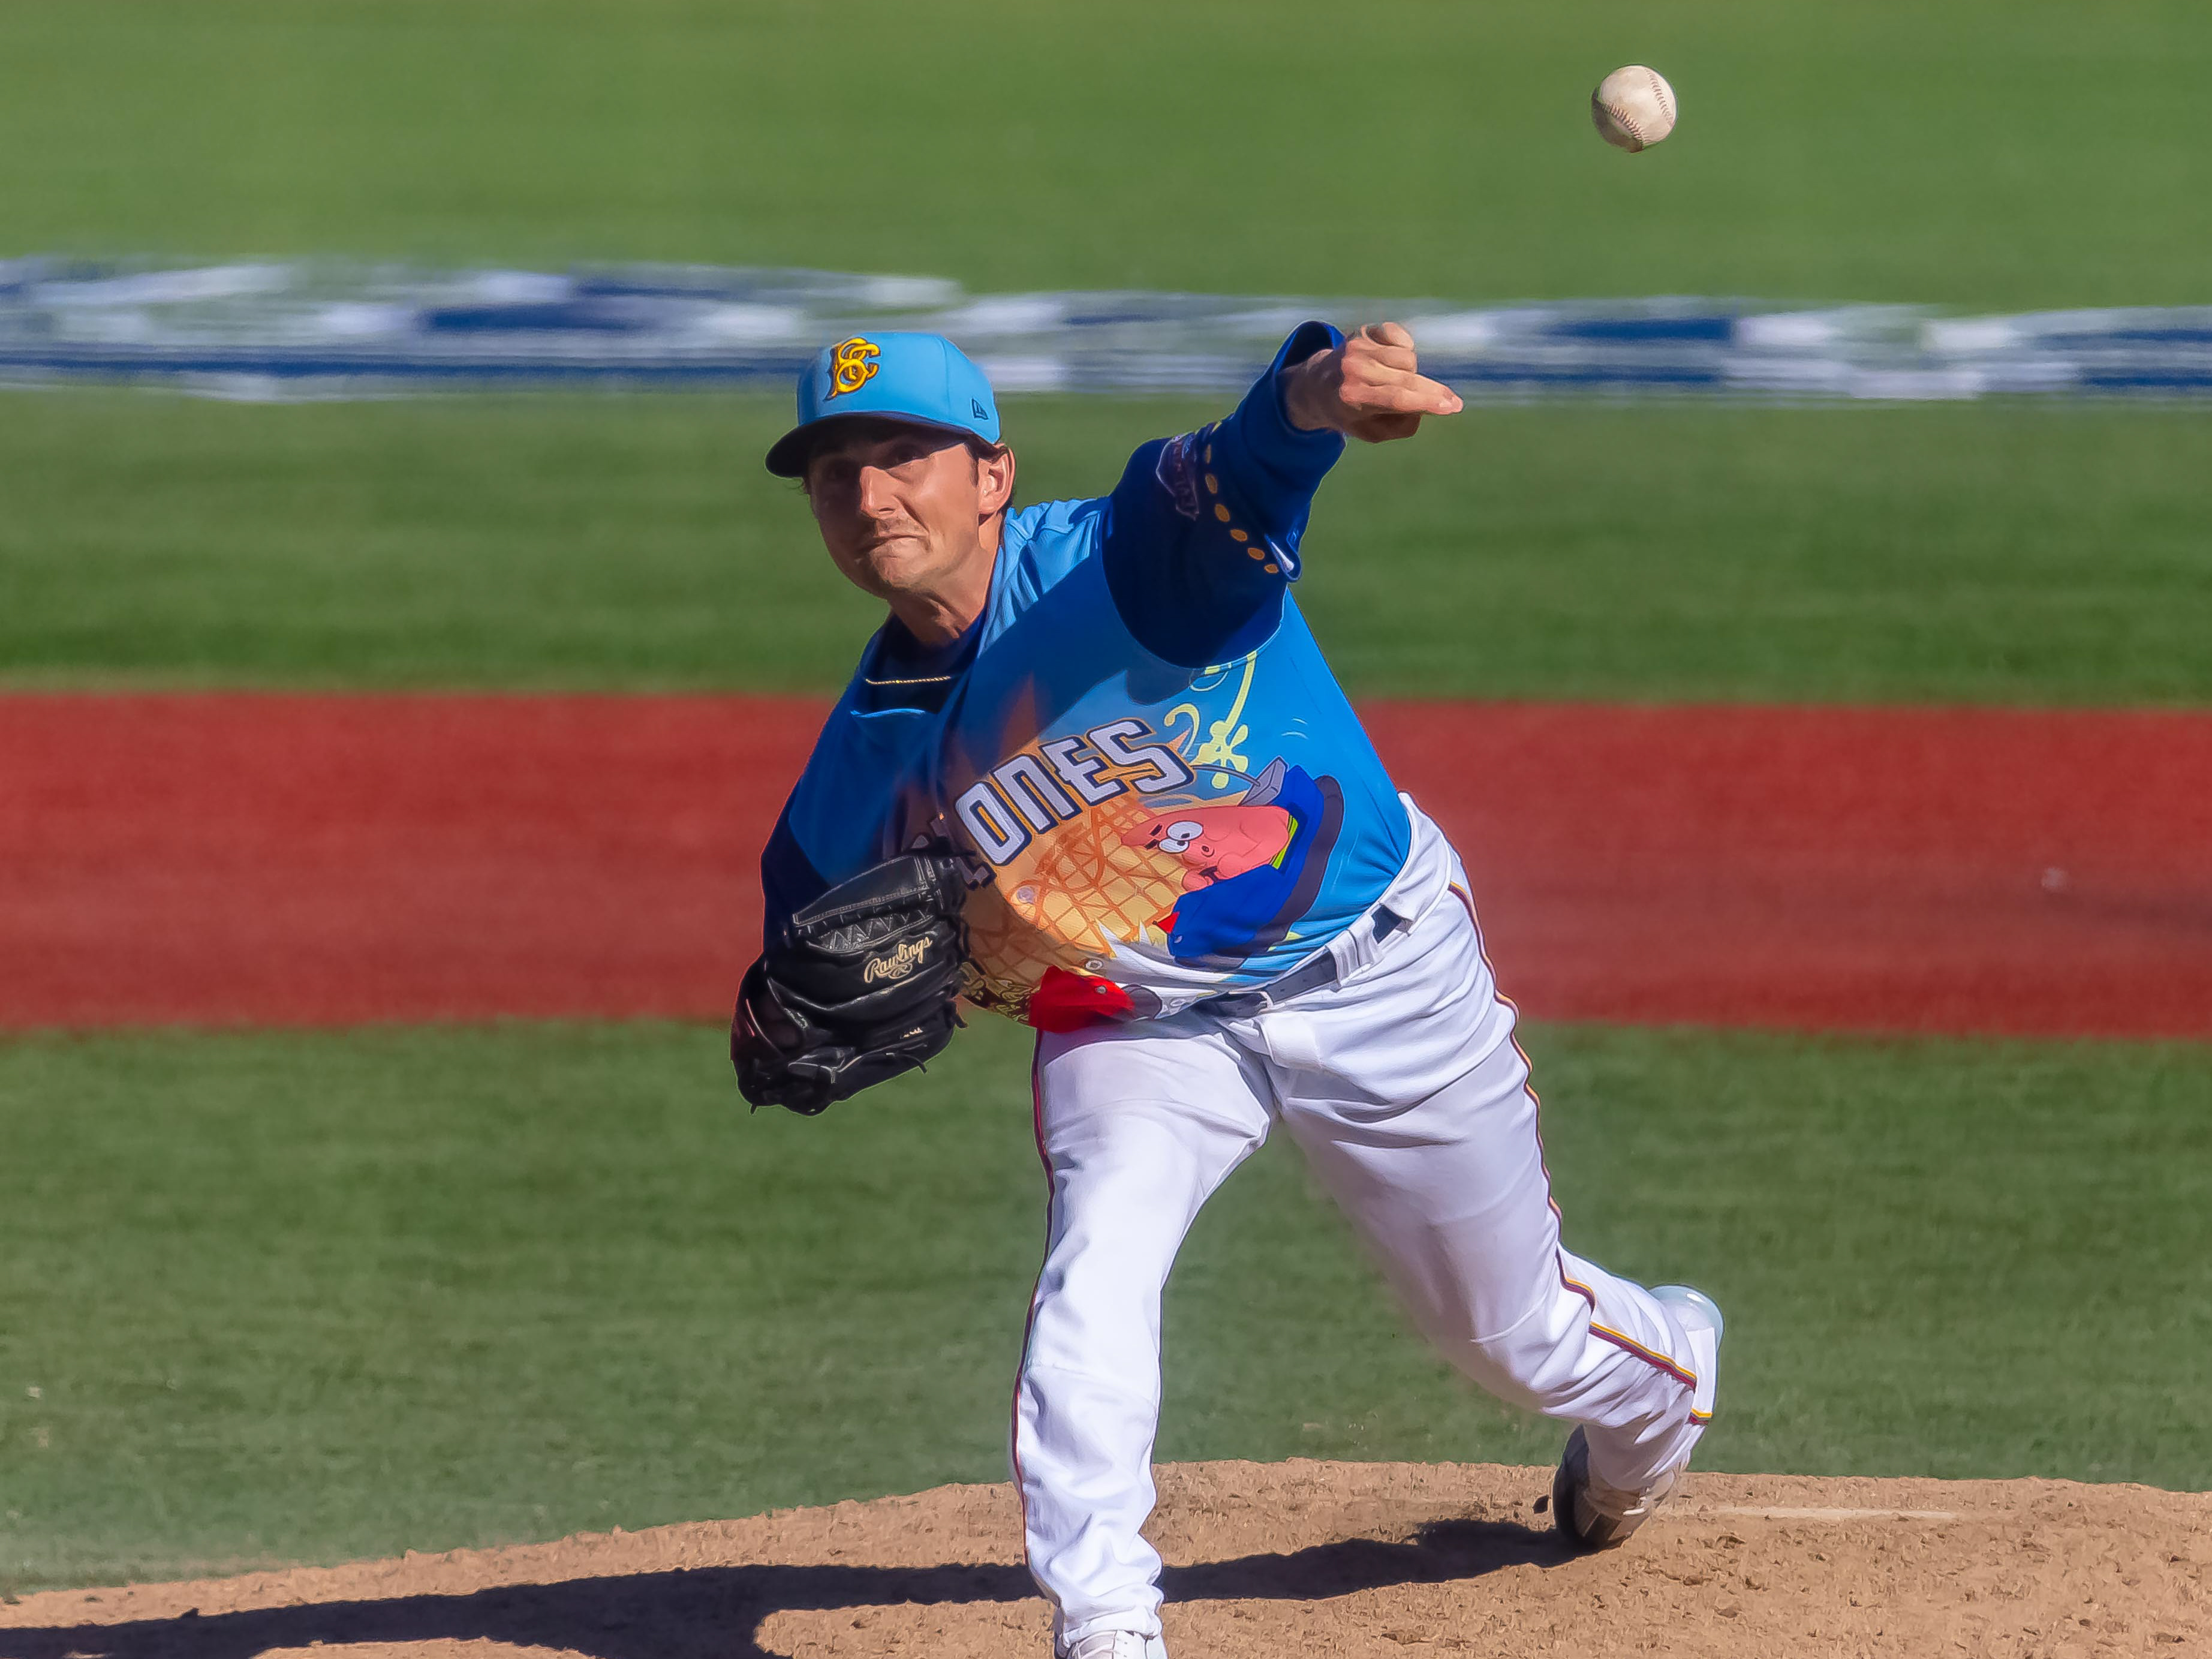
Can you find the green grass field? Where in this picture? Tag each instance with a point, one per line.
(307, 1297)
(2019, 554)
(1985, 553)
(2004, 153)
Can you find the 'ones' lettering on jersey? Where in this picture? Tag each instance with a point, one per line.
(1034, 795)
(1167, 768)
(1021, 799)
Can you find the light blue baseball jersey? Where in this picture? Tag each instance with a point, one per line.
(1155, 779)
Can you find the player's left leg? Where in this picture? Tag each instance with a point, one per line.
(1450, 1193)
(1405, 1090)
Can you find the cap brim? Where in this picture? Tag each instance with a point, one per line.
(788, 455)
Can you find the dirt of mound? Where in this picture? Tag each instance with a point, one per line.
(1264, 1559)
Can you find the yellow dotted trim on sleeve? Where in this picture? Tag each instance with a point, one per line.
(1237, 534)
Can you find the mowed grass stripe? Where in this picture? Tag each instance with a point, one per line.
(314, 1297)
(1981, 554)
(2004, 154)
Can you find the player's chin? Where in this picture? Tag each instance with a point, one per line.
(902, 563)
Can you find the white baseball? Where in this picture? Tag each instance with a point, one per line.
(1633, 107)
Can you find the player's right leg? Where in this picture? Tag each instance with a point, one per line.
(1137, 1125)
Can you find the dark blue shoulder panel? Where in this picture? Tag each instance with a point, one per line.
(1203, 530)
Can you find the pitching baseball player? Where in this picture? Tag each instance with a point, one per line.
(1094, 774)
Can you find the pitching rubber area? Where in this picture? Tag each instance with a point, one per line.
(299, 860)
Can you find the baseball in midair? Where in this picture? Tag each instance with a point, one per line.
(1633, 107)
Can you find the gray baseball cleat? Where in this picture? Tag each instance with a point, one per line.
(1115, 1644)
(1592, 1515)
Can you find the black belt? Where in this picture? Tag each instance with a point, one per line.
(1315, 975)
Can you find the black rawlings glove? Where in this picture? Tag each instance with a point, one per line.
(860, 987)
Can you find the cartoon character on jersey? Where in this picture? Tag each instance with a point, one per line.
(1216, 844)
(1252, 867)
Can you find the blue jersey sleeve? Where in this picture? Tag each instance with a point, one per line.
(846, 811)
(1202, 532)
(789, 882)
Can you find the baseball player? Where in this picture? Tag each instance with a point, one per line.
(1094, 774)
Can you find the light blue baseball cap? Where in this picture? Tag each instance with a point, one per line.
(923, 379)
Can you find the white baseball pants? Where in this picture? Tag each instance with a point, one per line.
(1404, 1090)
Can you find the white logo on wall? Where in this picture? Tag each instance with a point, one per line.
(330, 328)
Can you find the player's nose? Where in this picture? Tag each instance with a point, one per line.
(876, 492)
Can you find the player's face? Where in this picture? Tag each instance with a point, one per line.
(905, 510)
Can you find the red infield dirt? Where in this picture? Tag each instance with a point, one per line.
(250, 859)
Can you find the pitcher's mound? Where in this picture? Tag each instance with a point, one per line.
(1266, 1561)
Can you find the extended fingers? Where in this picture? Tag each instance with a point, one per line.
(1372, 388)
(1382, 371)
(1401, 393)
(1385, 344)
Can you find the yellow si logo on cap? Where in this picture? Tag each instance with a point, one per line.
(851, 365)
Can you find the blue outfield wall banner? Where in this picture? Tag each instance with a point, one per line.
(310, 329)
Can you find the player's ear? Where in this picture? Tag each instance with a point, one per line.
(994, 478)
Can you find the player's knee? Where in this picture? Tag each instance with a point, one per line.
(1132, 1217)
(1110, 1259)
(1089, 1319)
(1102, 1284)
